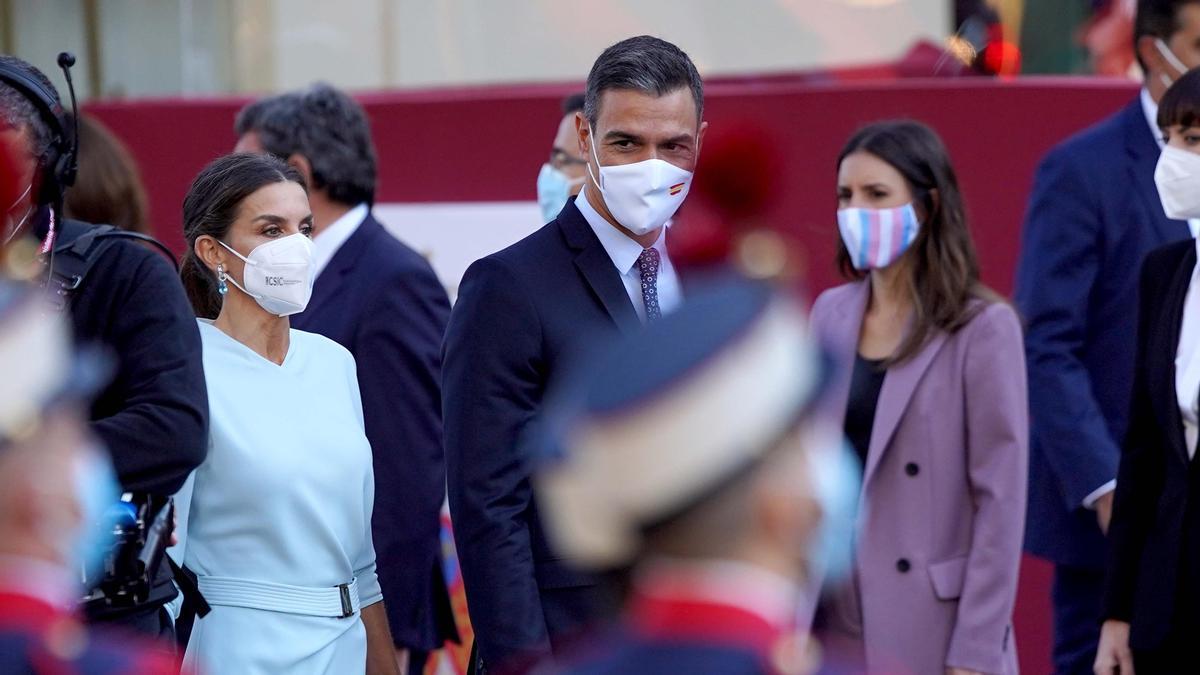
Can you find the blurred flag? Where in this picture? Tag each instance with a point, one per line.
(453, 659)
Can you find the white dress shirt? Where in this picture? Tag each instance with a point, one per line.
(625, 252)
(1150, 110)
(327, 243)
(1187, 362)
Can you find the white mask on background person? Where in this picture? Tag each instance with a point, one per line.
(553, 191)
(278, 274)
(1171, 59)
(876, 238)
(1177, 176)
(644, 195)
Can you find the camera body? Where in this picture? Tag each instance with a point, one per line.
(142, 526)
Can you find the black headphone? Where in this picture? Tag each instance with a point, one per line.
(60, 164)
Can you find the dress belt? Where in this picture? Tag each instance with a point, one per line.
(333, 601)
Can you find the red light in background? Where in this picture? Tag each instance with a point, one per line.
(1001, 58)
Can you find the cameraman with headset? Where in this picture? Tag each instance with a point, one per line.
(125, 298)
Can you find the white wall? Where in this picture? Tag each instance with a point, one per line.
(43, 28)
(452, 235)
(471, 41)
(170, 47)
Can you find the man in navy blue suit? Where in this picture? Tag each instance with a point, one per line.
(1093, 215)
(382, 301)
(599, 267)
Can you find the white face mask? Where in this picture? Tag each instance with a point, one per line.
(644, 195)
(1178, 179)
(278, 274)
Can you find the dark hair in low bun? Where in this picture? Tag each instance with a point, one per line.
(210, 208)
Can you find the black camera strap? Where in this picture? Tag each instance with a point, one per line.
(74, 258)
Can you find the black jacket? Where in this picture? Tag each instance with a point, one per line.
(153, 416)
(520, 314)
(1154, 558)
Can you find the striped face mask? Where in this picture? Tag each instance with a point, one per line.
(876, 238)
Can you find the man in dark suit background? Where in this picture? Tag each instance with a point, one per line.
(599, 267)
(382, 301)
(1093, 215)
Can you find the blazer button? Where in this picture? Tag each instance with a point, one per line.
(912, 469)
(903, 565)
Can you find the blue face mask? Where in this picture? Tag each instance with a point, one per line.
(553, 190)
(837, 480)
(97, 491)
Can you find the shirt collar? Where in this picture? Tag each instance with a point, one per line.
(1150, 110)
(623, 251)
(327, 243)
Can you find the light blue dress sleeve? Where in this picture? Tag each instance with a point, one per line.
(369, 591)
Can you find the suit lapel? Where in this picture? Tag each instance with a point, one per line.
(843, 337)
(898, 389)
(597, 268)
(1167, 403)
(327, 285)
(1143, 152)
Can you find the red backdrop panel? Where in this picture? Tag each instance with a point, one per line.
(486, 144)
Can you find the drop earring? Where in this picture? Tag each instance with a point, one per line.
(222, 287)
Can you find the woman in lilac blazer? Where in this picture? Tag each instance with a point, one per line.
(933, 398)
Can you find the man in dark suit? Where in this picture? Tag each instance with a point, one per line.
(1093, 215)
(382, 301)
(599, 267)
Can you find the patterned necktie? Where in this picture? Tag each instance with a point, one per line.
(648, 266)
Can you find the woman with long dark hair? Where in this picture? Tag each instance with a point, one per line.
(1152, 592)
(275, 525)
(934, 397)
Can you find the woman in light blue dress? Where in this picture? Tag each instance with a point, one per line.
(276, 523)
